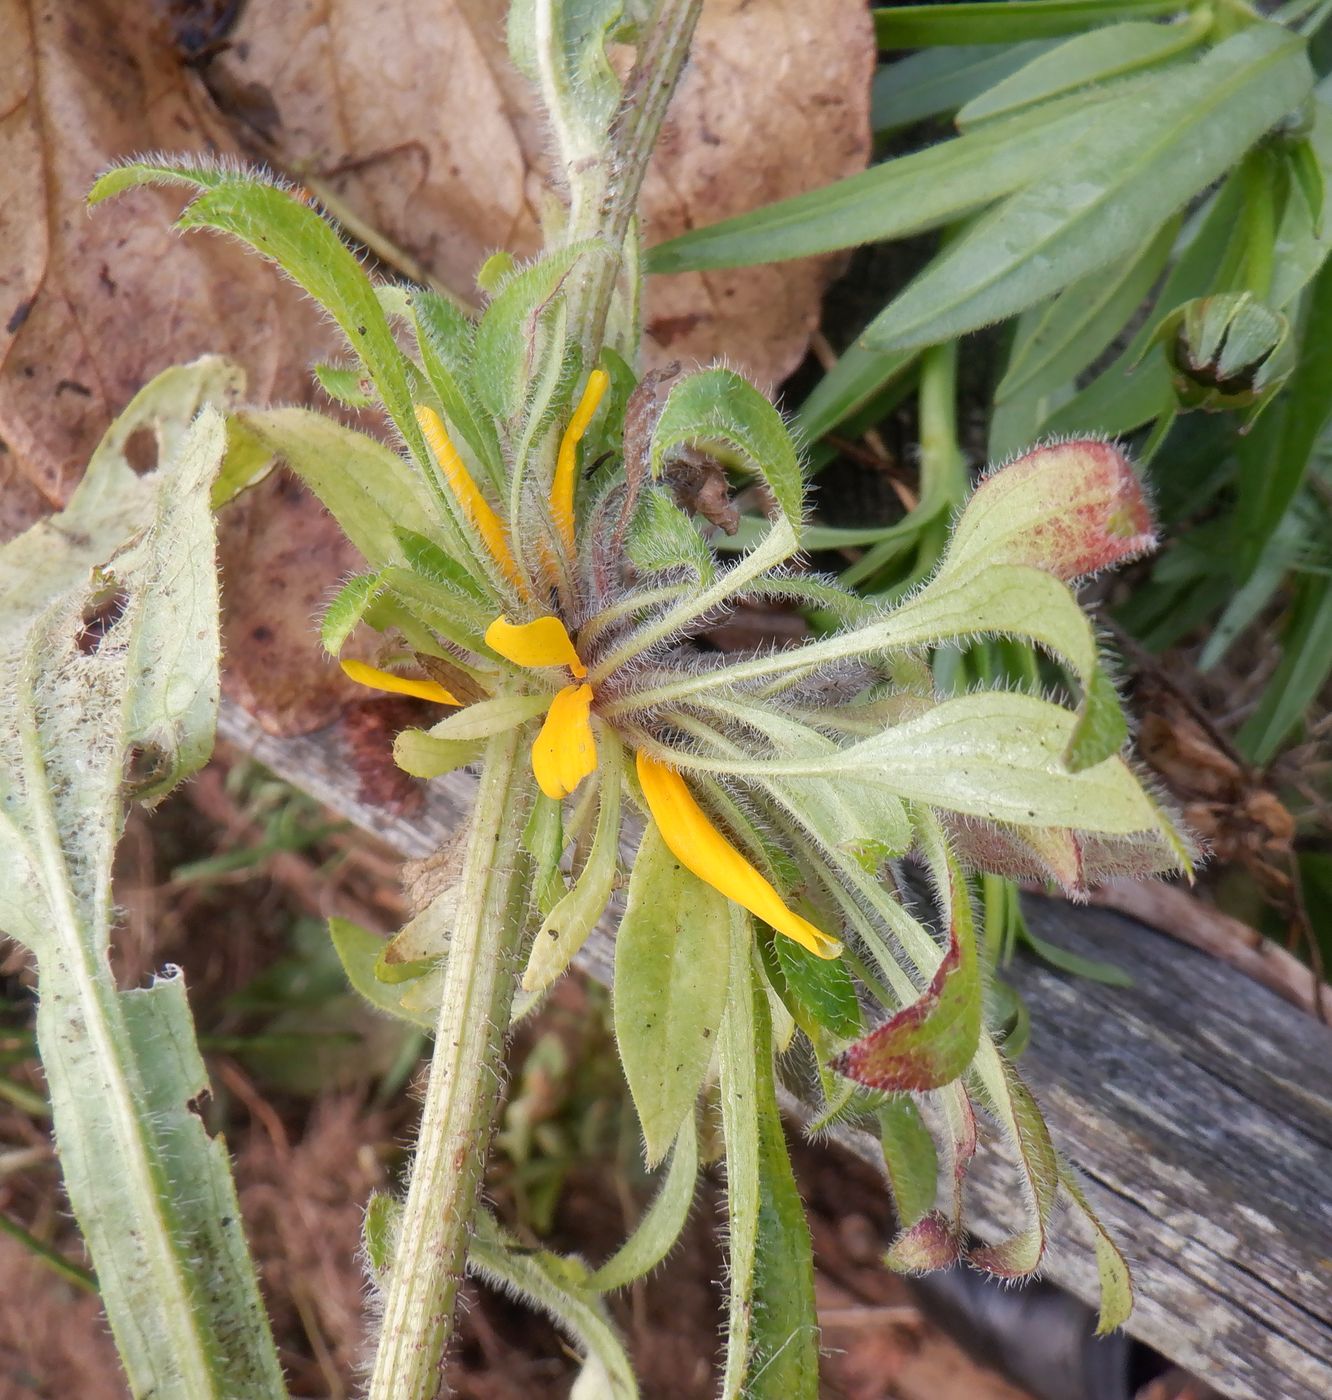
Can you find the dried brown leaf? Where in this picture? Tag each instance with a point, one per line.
(409, 116)
(92, 306)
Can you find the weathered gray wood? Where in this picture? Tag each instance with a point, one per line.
(1198, 1105)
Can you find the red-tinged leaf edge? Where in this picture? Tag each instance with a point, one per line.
(931, 1042)
(1078, 507)
(933, 1242)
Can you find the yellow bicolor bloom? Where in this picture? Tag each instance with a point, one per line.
(474, 505)
(545, 642)
(364, 674)
(693, 840)
(565, 751)
(566, 463)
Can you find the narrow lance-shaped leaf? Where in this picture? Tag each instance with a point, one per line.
(772, 1339)
(1083, 319)
(909, 1157)
(931, 1042)
(1097, 57)
(280, 226)
(1112, 1268)
(1136, 387)
(901, 197)
(979, 22)
(1305, 665)
(936, 81)
(1138, 161)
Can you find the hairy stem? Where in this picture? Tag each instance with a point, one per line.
(466, 1075)
(604, 196)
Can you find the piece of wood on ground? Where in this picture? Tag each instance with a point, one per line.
(1197, 1104)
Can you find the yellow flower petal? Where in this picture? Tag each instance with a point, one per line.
(562, 488)
(465, 491)
(544, 642)
(364, 674)
(693, 840)
(565, 751)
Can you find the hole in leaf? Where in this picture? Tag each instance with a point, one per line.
(103, 612)
(141, 450)
(146, 766)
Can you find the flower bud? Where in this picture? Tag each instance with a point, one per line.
(1224, 351)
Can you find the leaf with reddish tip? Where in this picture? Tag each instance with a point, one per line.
(931, 1243)
(1010, 1102)
(931, 1042)
(935, 1240)
(1069, 508)
(1020, 853)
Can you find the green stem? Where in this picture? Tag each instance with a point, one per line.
(466, 1076)
(494, 898)
(604, 195)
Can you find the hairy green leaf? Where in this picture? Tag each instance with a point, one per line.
(422, 755)
(726, 416)
(909, 1157)
(819, 992)
(546, 1282)
(672, 956)
(368, 489)
(109, 683)
(659, 1230)
(1000, 756)
(569, 924)
(359, 952)
(447, 339)
(772, 1338)
(279, 225)
(1111, 1266)
(1010, 1102)
(348, 607)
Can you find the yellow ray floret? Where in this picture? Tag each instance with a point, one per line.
(364, 674)
(545, 642)
(562, 488)
(565, 751)
(693, 840)
(465, 491)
